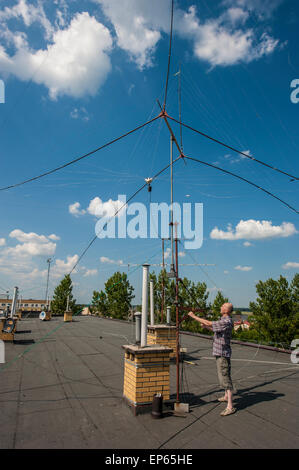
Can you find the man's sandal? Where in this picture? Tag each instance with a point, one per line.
(227, 411)
(222, 399)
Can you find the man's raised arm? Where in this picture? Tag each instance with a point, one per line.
(204, 323)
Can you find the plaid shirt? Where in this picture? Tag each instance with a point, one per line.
(222, 336)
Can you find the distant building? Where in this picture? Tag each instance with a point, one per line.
(244, 325)
(30, 305)
(86, 311)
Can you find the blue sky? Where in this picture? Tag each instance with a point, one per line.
(78, 74)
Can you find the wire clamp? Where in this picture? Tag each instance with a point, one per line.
(164, 114)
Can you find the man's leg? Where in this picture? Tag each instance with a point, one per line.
(225, 371)
(219, 371)
(229, 390)
(219, 363)
(229, 395)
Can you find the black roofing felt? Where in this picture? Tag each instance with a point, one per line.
(65, 392)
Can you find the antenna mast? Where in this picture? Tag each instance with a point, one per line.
(49, 260)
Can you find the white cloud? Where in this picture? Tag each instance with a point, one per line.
(75, 210)
(220, 46)
(254, 230)
(32, 249)
(219, 42)
(226, 272)
(37, 274)
(261, 8)
(32, 244)
(61, 267)
(61, 12)
(80, 113)
(243, 268)
(99, 208)
(247, 152)
(28, 237)
(239, 158)
(29, 14)
(53, 237)
(139, 26)
(237, 15)
(290, 265)
(104, 259)
(167, 253)
(76, 63)
(2, 241)
(74, 113)
(19, 262)
(247, 244)
(19, 268)
(90, 272)
(76, 59)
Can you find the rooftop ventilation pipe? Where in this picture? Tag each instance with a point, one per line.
(144, 312)
(152, 303)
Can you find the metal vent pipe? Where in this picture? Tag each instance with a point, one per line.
(168, 315)
(144, 312)
(137, 316)
(14, 302)
(152, 306)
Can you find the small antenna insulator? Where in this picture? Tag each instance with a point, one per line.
(148, 182)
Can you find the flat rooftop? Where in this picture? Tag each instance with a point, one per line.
(61, 387)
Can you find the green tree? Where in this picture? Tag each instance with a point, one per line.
(61, 293)
(198, 296)
(99, 303)
(194, 296)
(295, 303)
(275, 312)
(295, 292)
(119, 294)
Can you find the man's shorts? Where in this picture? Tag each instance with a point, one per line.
(223, 370)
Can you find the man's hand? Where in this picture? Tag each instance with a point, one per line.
(204, 323)
(191, 314)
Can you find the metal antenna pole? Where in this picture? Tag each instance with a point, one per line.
(177, 320)
(46, 296)
(171, 198)
(180, 107)
(163, 287)
(178, 74)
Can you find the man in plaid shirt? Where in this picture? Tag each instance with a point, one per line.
(222, 351)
